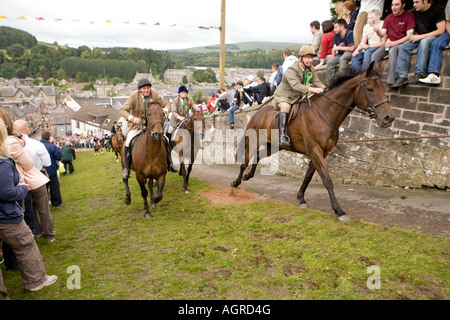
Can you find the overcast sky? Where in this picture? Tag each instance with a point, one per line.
(131, 23)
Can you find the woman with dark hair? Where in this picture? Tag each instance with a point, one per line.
(327, 43)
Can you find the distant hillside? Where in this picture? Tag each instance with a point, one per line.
(240, 46)
(10, 36)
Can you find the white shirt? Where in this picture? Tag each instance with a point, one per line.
(39, 153)
(369, 5)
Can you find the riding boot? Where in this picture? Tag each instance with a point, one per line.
(127, 160)
(170, 166)
(282, 122)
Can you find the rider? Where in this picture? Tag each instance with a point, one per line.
(134, 112)
(298, 80)
(182, 106)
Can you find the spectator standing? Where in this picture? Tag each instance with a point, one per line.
(289, 59)
(273, 82)
(327, 43)
(369, 44)
(52, 170)
(39, 194)
(434, 66)
(366, 6)
(68, 156)
(342, 48)
(396, 29)
(13, 229)
(317, 38)
(430, 24)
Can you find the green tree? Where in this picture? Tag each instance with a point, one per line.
(16, 50)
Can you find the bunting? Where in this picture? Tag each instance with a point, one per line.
(127, 22)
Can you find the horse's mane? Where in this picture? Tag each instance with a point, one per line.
(341, 77)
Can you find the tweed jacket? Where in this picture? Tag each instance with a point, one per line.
(135, 106)
(291, 89)
(178, 108)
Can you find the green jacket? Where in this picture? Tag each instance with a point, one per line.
(291, 89)
(68, 153)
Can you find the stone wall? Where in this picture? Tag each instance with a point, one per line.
(414, 152)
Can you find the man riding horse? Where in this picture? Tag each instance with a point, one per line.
(134, 111)
(298, 80)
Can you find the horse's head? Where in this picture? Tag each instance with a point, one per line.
(371, 98)
(198, 123)
(155, 120)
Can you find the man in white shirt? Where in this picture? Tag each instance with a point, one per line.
(41, 159)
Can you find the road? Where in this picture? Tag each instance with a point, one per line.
(423, 210)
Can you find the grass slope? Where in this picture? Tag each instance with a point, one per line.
(192, 249)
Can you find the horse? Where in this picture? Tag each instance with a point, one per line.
(149, 158)
(314, 130)
(187, 143)
(108, 146)
(117, 143)
(97, 148)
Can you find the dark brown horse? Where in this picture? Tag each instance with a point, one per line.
(314, 130)
(187, 143)
(117, 143)
(148, 158)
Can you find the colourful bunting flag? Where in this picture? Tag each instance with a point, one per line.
(21, 18)
(40, 18)
(2, 17)
(108, 21)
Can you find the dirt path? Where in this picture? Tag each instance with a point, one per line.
(427, 211)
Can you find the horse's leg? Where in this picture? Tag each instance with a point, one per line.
(127, 192)
(186, 177)
(150, 187)
(158, 197)
(243, 166)
(301, 193)
(259, 156)
(144, 194)
(321, 167)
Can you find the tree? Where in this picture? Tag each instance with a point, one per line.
(21, 74)
(16, 50)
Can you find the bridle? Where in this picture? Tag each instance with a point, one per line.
(150, 128)
(370, 111)
(191, 127)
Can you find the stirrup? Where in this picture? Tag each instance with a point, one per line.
(285, 141)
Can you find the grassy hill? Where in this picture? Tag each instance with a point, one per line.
(240, 46)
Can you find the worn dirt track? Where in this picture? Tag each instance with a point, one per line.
(424, 210)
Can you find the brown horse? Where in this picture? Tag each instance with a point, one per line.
(97, 148)
(187, 143)
(117, 143)
(148, 158)
(314, 130)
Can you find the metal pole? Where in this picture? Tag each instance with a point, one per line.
(222, 46)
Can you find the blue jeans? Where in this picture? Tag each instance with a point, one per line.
(404, 55)
(434, 66)
(364, 57)
(230, 113)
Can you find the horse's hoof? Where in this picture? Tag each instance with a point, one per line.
(234, 184)
(127, 201)
(303, 206)
(344, 218)
(152, 206)
(186, 191)
(148, 215)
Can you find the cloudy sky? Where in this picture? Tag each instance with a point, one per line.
(131, 23)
